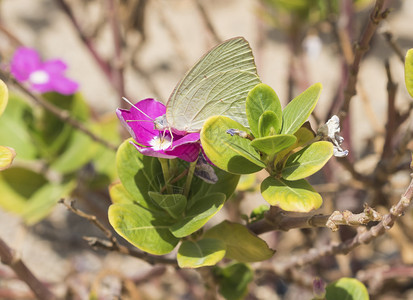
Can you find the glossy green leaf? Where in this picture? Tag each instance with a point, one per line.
(6, 157)
(242, 245)
(347, 289)
(4, 96)
(205, 252)
(303, 136)
(173, 204)
(196, 216)
(226, 184)
(274, 143)
(297, 195)
(260, 99)
(307, 161)
(142, 228)
(119, 195)
(408, 71)
(233, 154)
(300, 108)
(139, 174)
(233, 280)
(268, 124)
(16, 128)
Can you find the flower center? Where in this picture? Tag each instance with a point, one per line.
(160, 143)
(39, 77)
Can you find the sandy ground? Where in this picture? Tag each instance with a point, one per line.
(41, 25)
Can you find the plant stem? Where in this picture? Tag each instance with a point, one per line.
(166, 174)
(189, 177)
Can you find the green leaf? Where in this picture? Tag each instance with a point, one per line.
(44, 200)
(296, 195)
(173, 204)
(142, 228)
(79, 150)
(139, 174)
(205, 252)
(4, 96)
(226, 184)
(6, 157)
(233, 280)
(408, 71)
(29, 194)
(233, 154)
(274, 143)
(242, 245)
(16, 128)
(303, 136)
(119, 195)
(196, 216)
(247, 182)
(300, 108)
(268, 124)
(307, 161)
(54, 134)
(260, 99)
(346, 289)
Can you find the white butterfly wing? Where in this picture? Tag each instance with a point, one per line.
(218, 84)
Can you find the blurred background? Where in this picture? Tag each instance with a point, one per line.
(141, 49)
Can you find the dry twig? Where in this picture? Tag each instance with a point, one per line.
(13, 261)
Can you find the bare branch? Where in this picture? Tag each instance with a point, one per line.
(278, 219)
(377, 15)
(9, 258)
(362, 237)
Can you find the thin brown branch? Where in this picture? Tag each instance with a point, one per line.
(106, 68)
(377, 15)
(362, 237)
(391, 125)
(278, 219)
(391, 40)
(207, 21)
(61, 114)
(112, 243)
(118, 65)
(22, 271)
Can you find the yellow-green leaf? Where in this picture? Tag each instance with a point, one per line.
(205, 252)
(307, 161)
(242, 245)
(297, 195)
(118, 194)
(6, 157)
(347, 288)
(142, 228)
(4, 96)
(233, 154)
(300, 108)
(274, 143)
(408, 71)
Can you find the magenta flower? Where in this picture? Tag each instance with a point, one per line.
(152, 142)
(47, 76)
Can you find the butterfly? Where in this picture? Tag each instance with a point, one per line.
(217, 84)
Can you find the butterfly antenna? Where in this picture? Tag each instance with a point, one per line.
(131, 104)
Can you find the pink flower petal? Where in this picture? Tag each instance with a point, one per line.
(24, 62)
(63, 85)
(54, 66)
